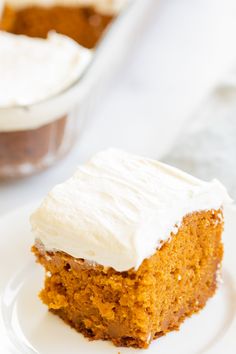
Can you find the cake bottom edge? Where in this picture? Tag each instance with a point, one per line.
(137, 343)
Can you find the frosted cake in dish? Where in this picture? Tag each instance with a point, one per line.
(40, 73)
(33, 71)
(131, 247)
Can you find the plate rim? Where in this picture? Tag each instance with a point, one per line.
(228, 340)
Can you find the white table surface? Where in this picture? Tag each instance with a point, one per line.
(183, 53)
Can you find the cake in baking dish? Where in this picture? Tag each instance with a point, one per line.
(131, 247)
(82, 20)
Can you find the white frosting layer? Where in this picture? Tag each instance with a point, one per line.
(33, 69)
(118, 208)
(103, 6)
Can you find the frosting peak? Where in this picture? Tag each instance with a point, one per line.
(118, 208)
(34, 69)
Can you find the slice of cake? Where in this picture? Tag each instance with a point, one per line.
(131, 247)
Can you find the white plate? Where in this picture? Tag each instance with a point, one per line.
(27, 327)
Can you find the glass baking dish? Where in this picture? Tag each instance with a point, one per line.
(27, 146)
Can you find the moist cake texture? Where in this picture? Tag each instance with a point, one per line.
(129, 300)
(83, 21)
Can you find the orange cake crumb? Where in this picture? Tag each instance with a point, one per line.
(133, 307)
(83, 24)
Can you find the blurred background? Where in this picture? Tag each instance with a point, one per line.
(172, 97)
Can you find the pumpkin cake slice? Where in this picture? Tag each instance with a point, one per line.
(130, 246)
